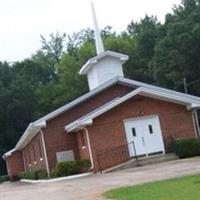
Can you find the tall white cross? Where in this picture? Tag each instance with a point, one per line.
(98, 39)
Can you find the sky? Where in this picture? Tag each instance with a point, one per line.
(23, 21)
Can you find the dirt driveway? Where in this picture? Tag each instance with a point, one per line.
(91, 188)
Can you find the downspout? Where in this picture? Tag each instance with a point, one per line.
(89, 148)
(8, 170)
(24, 160)
(45, 153)
(196, 120)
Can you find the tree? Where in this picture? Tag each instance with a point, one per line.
(144, 34)
(76, 40)
(177, 53)
(55, 47)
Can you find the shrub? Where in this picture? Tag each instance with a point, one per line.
(54, 172)
(34, 174)
(42, 174)
(83, 163)
(4, 179)
(65, 168)
(185, 148)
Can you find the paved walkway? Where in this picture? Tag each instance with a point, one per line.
(91, 188)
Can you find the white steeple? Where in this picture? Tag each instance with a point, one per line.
(106, 65)
(98, 39)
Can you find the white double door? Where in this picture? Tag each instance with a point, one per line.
(145, 133)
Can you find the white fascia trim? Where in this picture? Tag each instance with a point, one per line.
(8, 154)
(40, 123)
(78, 100)
(193, 106)
(95, 91)
(169, 97)
(141, 91)
(123, 58)
(157, 88)
(78, 124)
(30, 132)
(106, 108)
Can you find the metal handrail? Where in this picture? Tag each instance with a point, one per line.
(120, 153)
(135, 152)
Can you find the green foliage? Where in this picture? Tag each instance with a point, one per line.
(145, 36)
(84, 164)
(54, 48)
(4, 179)
(177, 52)
(186, 147)
(183, 188)
(65, 168)
(35, 174)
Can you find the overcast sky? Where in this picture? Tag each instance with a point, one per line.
(22, 21)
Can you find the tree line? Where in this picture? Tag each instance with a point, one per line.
(160, 54)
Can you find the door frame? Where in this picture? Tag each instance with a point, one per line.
(141, 118)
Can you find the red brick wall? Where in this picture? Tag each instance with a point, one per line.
(34, 154)
(15, 164)
(83, 150)
(57, 139)
(108, 131)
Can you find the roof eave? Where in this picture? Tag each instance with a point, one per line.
(78, 126)
(78, 100)
(30, 132)
(193, 106)
(8, 154)
(140, 91)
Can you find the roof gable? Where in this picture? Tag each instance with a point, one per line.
(40, 123)
(88, 119)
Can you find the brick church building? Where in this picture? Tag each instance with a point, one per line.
(115, 114)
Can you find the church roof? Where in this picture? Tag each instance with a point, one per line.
(88, 118)
(192, 102)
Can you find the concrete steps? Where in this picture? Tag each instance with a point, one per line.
(142, 161)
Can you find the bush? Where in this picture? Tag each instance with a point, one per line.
(185, 148)
(42, 174)
(4, 179)
(83, 164)
(65, 168)
(34, 174)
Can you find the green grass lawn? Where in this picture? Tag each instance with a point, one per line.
(185, 188)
